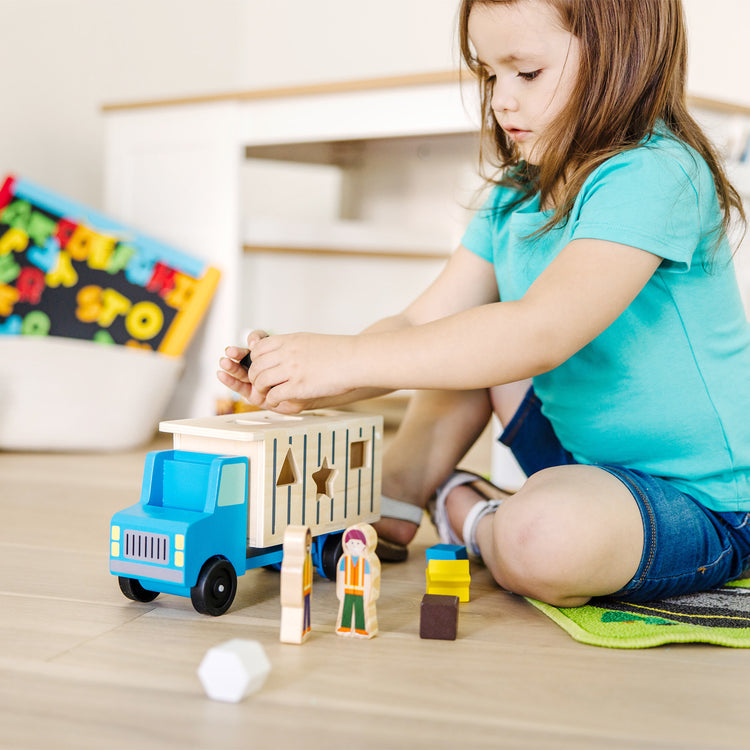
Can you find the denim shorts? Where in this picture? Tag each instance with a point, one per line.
(687, 547)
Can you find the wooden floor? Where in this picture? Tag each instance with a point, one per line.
(82, 667)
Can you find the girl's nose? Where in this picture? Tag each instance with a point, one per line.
(503, 99)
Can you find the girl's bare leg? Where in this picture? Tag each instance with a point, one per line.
(438, 429)
(570, 533)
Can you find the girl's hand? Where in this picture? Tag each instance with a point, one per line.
(232, 374)
(299, 371)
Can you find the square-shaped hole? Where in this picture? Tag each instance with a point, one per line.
(358, 454)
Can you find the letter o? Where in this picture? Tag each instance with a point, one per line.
(144, 320)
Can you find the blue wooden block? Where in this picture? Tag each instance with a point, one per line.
(446, 552)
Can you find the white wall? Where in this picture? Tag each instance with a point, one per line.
(719, 57)
(304, 41)
(62, 59)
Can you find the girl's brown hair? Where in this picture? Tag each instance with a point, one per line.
(631, 76)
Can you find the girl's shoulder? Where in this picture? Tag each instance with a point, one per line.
(660, 158)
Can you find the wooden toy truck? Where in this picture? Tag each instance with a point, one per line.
(217, 504)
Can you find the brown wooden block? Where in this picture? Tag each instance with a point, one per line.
(438, 617)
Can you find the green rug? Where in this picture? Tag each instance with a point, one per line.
(720, 616)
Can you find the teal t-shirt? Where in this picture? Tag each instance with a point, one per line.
(666, 388)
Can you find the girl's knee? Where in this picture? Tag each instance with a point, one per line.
(537, 552)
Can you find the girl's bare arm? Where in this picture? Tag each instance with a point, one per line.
(465, 281)
(471, 345)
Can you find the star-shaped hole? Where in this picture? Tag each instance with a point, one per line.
(324, 478)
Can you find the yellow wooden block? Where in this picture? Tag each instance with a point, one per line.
(449, 577)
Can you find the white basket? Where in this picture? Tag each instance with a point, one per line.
(61, 394)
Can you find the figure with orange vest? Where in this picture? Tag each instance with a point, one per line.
(358, 583)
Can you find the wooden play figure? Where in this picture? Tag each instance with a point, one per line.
(358, 583)
(296, 585)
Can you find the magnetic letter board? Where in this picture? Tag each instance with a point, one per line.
(68, 271)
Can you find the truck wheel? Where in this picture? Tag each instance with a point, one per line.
(133, 590)
(214, 592)
(330, 555)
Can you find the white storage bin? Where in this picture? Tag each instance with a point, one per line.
(61, 394)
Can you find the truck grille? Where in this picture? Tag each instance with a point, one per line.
(141, 545)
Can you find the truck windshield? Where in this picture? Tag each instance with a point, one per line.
(185, 484)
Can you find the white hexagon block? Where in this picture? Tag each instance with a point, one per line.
(231, 671)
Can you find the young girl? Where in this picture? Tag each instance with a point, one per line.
(592, 305)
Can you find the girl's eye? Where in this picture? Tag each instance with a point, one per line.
(530, 76)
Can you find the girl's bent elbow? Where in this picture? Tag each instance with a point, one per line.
(550, 350)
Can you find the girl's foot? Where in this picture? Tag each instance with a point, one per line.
(460, 504)
(399, 521)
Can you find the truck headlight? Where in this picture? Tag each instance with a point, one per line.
(179, 546)
(115, 541)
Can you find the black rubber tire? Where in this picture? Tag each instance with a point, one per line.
(331, 554)
(132, 589)
(214, 592)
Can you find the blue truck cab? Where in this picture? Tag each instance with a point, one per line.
(186, 531)
(194, 530)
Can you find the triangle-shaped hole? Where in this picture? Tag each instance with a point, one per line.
(288, 473)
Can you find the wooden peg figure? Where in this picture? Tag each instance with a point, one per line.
(296, 585)
(358, 583)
